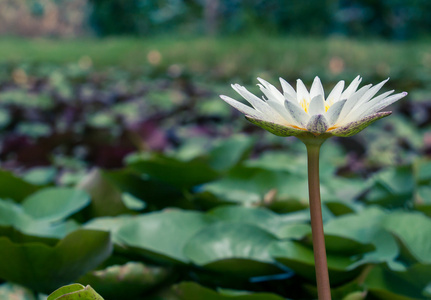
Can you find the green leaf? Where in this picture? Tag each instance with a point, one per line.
(66, 290)
(132, 202)
(155, 194)
(344, 245)
(55, 204)
(392, 187)
(12, 214)
(250, 185)
(43, 268)
(232, 248)
(294, 231)
(260, 217)
(300, 259)
(191, 290)
(227, 153)
(109, 224)
(413, 231)
(75, 292)
(14, 188)
(106, 198)
(175, 172)
(132, 279)
(408, 285)
(365, 228)
(40, 175)
(162, 235)
(423, 171)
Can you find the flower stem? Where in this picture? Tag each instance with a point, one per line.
(321, 265)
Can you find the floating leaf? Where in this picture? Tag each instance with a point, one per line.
(408, 285)
(191, 290)
(392, 187)
(75, 292)
(106, 198)
(175, 172)
(14, 188)
(162, 235)
(43, 268)
(413, 229)
(300, 259)
(227, 153)
(260, 217)
(232, 248)
(55, 204)
(131, 279)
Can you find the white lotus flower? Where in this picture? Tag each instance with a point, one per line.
(302, 112)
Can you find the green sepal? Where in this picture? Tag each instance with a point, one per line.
(357, 126)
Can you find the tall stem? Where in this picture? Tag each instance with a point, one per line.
(321, 265)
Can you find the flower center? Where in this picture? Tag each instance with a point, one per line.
(305, 104)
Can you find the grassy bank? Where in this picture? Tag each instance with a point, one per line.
(232, 57)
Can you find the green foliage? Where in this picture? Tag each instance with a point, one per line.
(192, 213)
(74, 292)
(369, 248)
(27, 263)
(359, 18)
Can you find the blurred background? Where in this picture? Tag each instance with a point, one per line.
(120, 98)
(92, 65)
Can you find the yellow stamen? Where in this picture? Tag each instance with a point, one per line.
(304, 103)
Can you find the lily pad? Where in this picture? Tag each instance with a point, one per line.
(300, 259)
(44, 268)
(191, 290)
(260, 217)
(130, 280)
(55, 204)
(162, 235)
(413, 230)
(233, 248)
(12, 187)
(383, 283)
(229, 152)
(106, 198)
(75, 292)
(175, 172)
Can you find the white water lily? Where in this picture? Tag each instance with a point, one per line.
(302, 112)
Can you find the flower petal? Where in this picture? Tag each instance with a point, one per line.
(280, 109)
(370, 94)
(272, 91)
(351, 88)
(317, 105)
(317, 88)
(258, 103)
(357, 126)
(274, 128)
(359, 111)
(334, 112)
(375, 106)
(298, 114)
(247, 110)
(302, 93)
(335, 94)
(288, 91)
(317, 124)
(351, 101)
